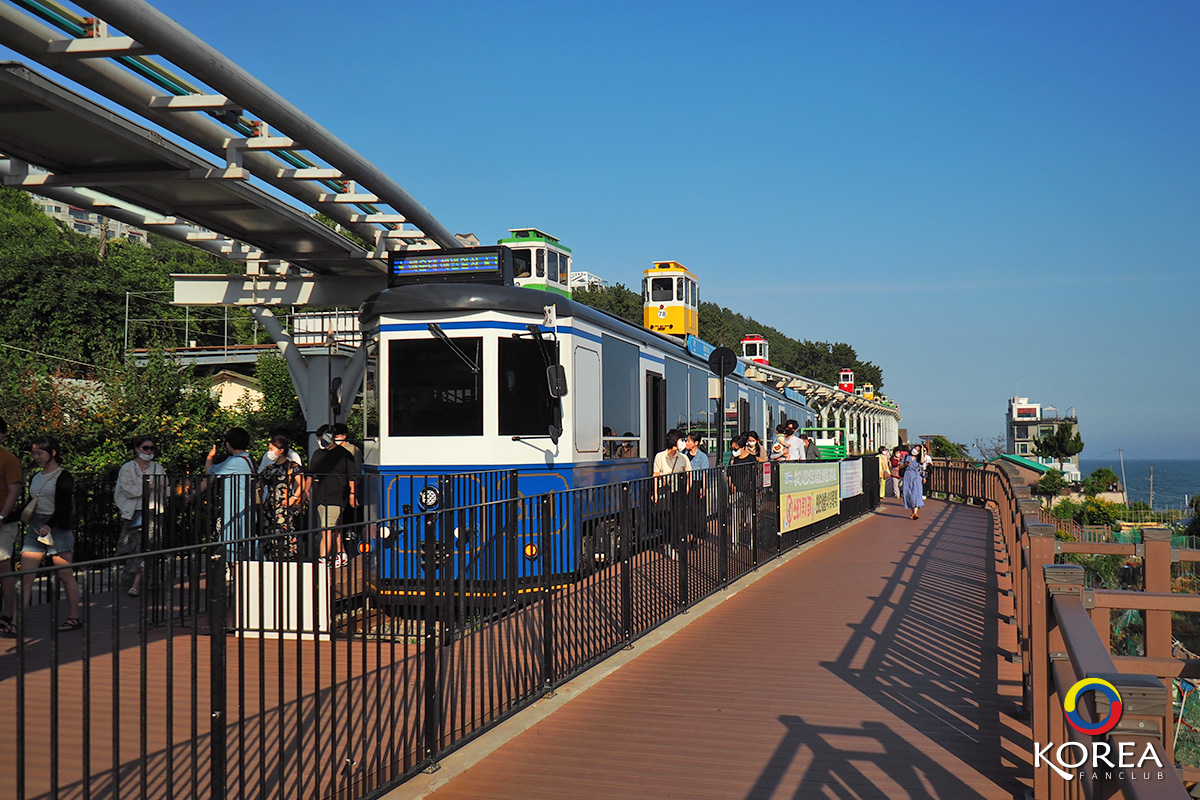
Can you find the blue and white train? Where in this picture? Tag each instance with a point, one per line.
(462, 387)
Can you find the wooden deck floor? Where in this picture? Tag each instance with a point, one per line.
(875, 665)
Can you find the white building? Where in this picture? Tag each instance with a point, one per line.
(1027, 422)
(89, 223)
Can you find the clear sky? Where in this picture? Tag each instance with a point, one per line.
(982, 199)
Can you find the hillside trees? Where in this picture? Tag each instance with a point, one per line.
(1060, 445)
(720, 326)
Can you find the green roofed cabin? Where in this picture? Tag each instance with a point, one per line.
(1028, 469)
(540, 261)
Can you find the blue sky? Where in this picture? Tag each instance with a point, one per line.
(980, 199)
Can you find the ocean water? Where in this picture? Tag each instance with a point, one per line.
(1174, 478)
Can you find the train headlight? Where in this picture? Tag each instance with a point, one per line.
(429, 497)
(531, 551)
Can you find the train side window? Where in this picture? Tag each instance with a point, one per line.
(676, 374)
(525, 405)
(552, 266)
(679, 289)
(622, 386)
(564, 276)
(645, 291)
(661, 289)
(541, 263)
(699, 406)
(586, 391)
(431, 391)
(522, 263)
(691, 294)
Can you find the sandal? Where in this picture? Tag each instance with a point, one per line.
(7, 629)
(71, 624)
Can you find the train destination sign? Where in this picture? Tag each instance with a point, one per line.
(465, 265)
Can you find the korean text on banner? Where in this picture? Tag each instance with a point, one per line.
(807, 493)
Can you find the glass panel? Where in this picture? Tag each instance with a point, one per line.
(522, 263)
(541, 263)
(622, 387)
(645, 291)
(679, 289)
(661, 290)
(432, 392)
(564, 275)
(552, 266)
(526, 407)
(699, 406)
(676, 374)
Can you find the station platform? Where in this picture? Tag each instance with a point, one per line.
(875, 663)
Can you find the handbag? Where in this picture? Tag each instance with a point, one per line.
(31, 507)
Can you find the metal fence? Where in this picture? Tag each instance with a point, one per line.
(246, 669)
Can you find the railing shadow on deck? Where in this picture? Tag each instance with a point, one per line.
(936, 654)
(1064, 637)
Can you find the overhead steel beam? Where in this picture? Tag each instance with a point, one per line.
(266, 290)
(31, 39)
(151, 28)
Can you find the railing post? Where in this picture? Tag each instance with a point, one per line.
(677, 518)
(547, 512)
(626, 532)
(431, 642)
(1060, 579)
(1157, 568)
(724, 532)
(1041, 689)
(217, 590)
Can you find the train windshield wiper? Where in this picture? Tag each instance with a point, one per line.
(437, 331)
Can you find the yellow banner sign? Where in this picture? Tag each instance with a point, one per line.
(807, 493)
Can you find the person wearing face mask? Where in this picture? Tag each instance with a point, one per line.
(281, 490)
(332, 488)
(669, 492)
(136, 475)
(279, 446)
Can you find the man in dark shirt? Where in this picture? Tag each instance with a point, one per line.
(333, 488)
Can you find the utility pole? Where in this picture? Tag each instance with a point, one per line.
(1124, 483)
(1152, 487)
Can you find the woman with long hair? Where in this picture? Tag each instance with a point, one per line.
(51, 528)
(913, 490)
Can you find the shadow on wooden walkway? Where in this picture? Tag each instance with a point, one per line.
(874, 665)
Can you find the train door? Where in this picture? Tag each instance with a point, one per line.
(656, 414)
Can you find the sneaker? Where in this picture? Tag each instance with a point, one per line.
(341, 560)
(133, 591)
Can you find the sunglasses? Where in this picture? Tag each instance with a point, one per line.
(148, 448)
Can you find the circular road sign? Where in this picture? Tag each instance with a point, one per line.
(722, 362)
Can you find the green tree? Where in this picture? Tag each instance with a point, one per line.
(941, 447)
(1098, 481)
(280, 406)
(1050, 484)
(1061, 444)
(616, 300)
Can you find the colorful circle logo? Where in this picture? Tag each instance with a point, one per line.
(1071, 706)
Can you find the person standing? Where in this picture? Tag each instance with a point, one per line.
(699, 462)
(669, 463)
(755, 447)
(51, 528)
(128, 495)
(10, 526)
(332, 489)
(911, 491)
(779, 450)
(894, 463)
(234, 476)
(926, 465)
(795, 446)
(282, 491)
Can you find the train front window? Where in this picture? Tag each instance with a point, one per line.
(522, 263)
(432, 391)
(541, 263)
(563, 275)
(679, 289)
(526, 407)
(552, 266)
(662, 289)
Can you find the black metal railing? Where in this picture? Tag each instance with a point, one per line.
(246, 669)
